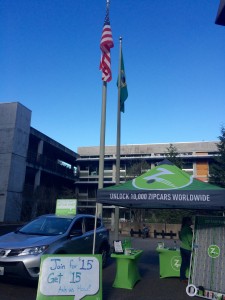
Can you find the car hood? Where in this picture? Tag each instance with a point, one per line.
(14, 240)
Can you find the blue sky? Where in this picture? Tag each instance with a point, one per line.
(174, 61)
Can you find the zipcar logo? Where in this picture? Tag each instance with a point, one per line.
(213, 251)
(161, 178)
(176, 263)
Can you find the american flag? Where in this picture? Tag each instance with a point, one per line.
(105, 45)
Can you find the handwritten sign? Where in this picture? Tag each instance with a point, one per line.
(70, 275)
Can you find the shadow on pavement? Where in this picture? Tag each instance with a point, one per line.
(150, 286)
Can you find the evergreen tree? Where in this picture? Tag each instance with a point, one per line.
(134, 170)
(173, 156)
(137, 168)
(217, 168)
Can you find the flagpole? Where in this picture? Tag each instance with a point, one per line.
(98, 207)
(102, 143)
(105, 65)
(118, 141)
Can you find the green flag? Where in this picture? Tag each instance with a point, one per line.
(123, 85)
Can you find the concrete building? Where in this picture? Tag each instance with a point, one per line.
(31, 163)
(196, 158)
(29, 160)
(220, 18)
(14, 137)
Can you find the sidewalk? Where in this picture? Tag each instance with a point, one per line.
(150, 286)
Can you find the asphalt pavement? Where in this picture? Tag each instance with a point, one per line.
(150, 286)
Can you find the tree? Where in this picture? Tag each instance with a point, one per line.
(137, 168)
(217, 168)
(173, 156)
(42, 200)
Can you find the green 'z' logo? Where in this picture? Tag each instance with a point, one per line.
(213, 251)
(176, 263)
(163, 177)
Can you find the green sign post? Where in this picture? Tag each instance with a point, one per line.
(66, 207)
(74, 276)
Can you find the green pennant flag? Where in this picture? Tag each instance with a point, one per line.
(123, 85)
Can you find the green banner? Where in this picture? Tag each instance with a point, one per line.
(208, 258)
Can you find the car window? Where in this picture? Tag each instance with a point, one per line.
(33, 227)
(78, 225)
(99, 223)
(56, 225)
(89, 224)
(47, 226)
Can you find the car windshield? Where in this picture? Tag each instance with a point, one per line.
(47, 226)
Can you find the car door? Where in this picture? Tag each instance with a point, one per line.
(89, 224)
(77, 241)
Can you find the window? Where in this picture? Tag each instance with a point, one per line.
(89, 224)
(187, 165)
(77, 226)
(99, 223)
(83, 190)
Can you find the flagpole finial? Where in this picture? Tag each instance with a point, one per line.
(107, 4)
(120, 38)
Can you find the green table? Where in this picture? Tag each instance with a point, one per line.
(169, 262)
(127, 273)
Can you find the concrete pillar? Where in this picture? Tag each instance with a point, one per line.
(14, 139)
(113, 172)
(40, 147)
(194, 169)
(112, 221)
(38, 173)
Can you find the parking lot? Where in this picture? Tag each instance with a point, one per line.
(149, 287)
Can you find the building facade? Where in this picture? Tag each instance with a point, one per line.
(196, 158)
(220, 18)
(35, 170)
(30, 160)
(32, 165)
